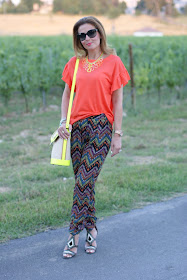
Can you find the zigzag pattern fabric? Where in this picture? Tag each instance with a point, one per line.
(90, 144)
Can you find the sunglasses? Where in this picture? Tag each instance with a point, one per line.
(91, 33)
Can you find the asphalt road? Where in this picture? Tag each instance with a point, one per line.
(144, 244)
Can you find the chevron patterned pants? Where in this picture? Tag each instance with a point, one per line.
(90, 144)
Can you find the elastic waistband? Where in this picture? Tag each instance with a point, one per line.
(93, 117)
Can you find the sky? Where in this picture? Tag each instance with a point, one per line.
(131, 3)
(15, 2)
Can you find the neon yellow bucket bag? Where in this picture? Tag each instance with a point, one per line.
(61, 151)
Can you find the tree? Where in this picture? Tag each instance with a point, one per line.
(170, 9)
(86, 6)
(185, 9)
(6, 6)
(2, 2)
(152, 6)
(29, 4)
(112, 7)
(141, 6)
(100, 7)
(122, 6)
(73, 6)
(114, 11)
(57, 6)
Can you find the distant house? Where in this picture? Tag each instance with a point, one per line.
(45, 8)
(148, 31)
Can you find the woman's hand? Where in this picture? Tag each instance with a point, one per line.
(62, 131)
(116, 145)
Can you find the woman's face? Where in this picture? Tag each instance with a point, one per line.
(89, 43)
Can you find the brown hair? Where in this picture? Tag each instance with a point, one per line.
(80, 51)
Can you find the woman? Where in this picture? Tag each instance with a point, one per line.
(97, 105)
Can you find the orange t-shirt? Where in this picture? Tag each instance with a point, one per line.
(94, 89)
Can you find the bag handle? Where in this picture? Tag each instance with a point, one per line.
(72, 93)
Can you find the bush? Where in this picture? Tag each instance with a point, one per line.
(22, 9)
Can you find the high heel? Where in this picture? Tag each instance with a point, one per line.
(90, 239)
(70, 244)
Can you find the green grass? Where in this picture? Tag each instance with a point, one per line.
(36, 196)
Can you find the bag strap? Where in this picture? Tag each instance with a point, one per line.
(72, 93)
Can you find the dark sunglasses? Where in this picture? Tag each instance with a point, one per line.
(91, 33)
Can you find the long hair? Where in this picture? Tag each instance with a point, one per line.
(79, 50)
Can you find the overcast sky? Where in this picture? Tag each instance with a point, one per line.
(15, 2)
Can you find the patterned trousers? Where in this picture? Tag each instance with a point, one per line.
(90, 144)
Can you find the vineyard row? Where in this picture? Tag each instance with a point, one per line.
(29, 63)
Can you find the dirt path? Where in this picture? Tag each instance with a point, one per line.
(62, 24)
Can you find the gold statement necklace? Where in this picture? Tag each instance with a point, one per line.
(91, 66)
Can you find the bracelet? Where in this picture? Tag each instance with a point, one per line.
(61, 121)
(119, 132)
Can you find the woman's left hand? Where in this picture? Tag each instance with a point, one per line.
(116, 145)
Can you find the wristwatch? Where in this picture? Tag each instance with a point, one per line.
(119, 132)
(61, 121)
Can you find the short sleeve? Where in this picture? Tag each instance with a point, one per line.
(120, 75)
(67, 74)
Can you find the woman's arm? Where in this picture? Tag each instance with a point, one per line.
(65, 101)
(64, 110)
(117, 101)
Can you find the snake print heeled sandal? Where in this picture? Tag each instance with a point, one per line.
(90, 239)
(70, 244)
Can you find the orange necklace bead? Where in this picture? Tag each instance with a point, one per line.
(91, 66)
